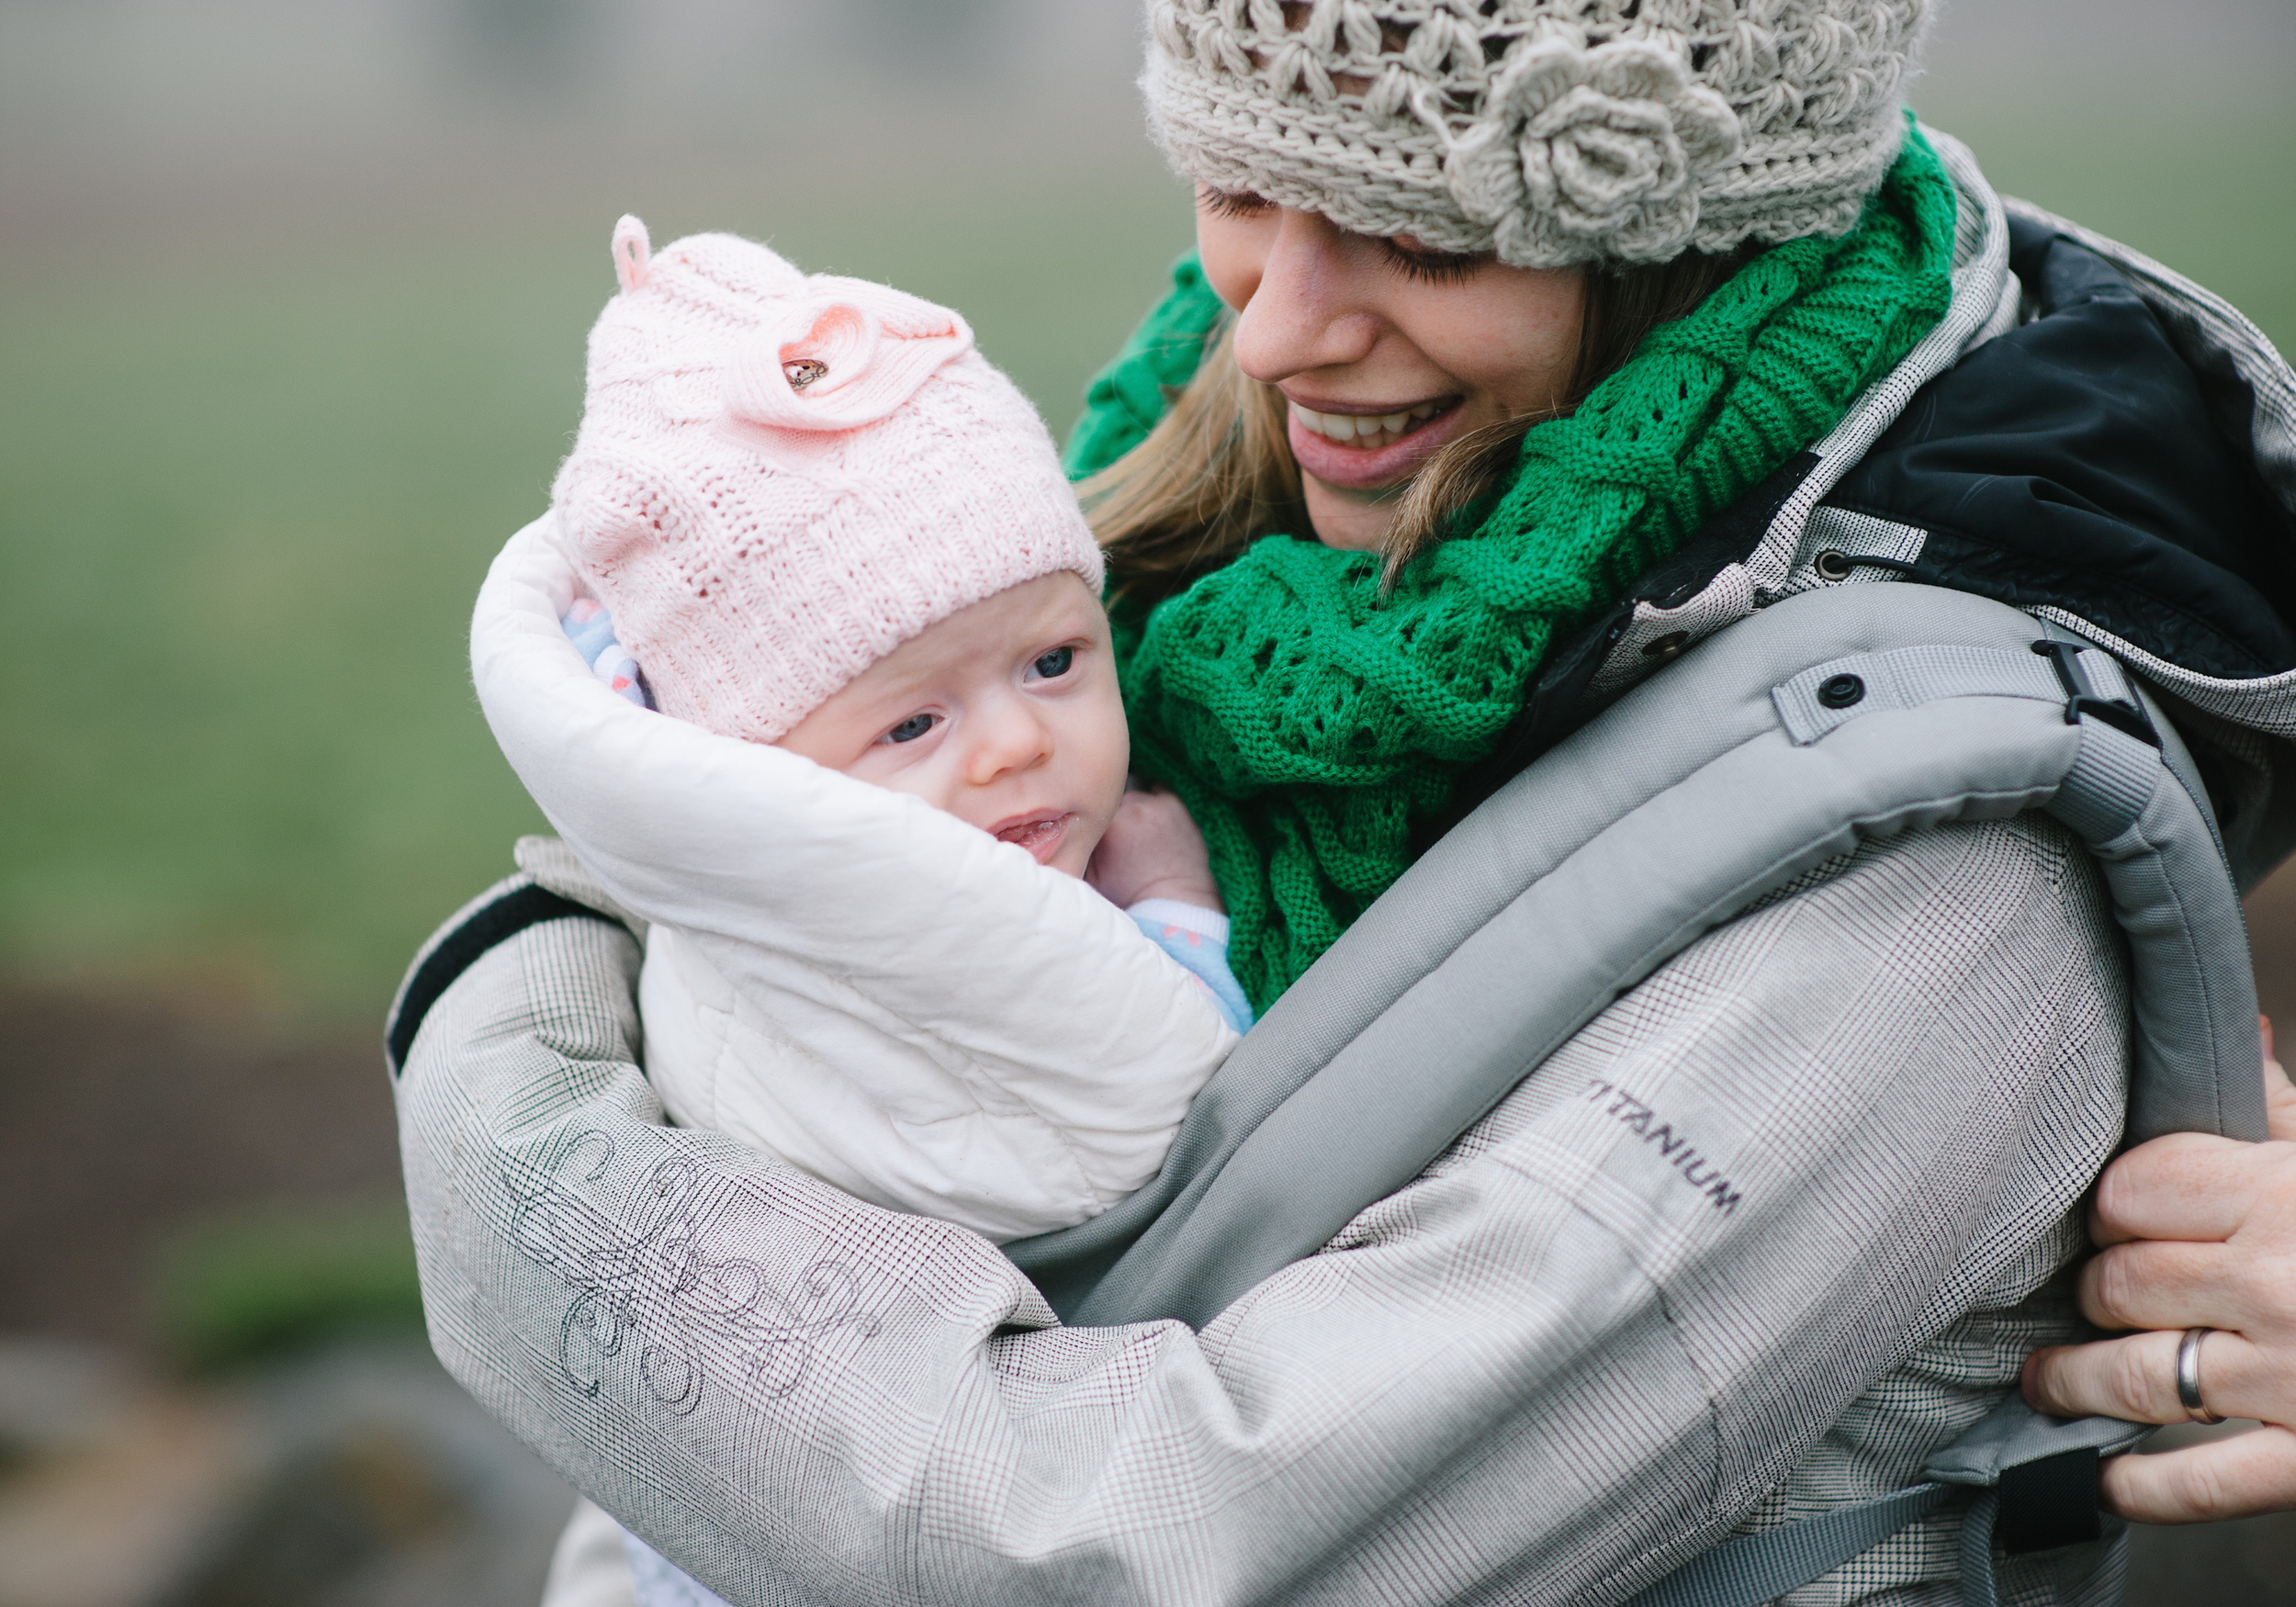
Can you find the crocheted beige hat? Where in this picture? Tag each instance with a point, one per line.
(1553, 131)
(781, 477)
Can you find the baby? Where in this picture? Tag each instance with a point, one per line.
(806, 522)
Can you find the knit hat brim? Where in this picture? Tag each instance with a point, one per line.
(1551, 133)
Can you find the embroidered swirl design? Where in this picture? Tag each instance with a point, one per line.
(1585, 152)
(651, 1284)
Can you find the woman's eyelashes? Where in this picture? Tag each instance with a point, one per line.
(910, 729)
(1230, 203)
(1414, 261)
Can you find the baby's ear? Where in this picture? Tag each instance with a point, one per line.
(632, 251)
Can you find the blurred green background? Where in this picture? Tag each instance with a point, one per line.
(292, 302)
(292, 305)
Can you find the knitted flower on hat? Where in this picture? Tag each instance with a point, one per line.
(1551, 131)
(781, 477)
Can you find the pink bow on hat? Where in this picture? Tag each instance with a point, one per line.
(841, 357)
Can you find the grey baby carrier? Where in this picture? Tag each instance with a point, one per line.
(2057, 576)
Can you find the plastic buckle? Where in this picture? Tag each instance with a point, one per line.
(2082, 696)
(2049, 1502)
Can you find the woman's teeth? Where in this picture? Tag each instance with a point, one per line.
(1371, 429)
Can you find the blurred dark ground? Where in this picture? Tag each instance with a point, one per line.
(292, 300)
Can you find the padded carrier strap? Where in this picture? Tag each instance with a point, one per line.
(1775, 745)
(494, 917)
(2034, 1480)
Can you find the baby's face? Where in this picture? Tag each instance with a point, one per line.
(1005, 715)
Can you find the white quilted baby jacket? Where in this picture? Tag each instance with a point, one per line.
(844, 976)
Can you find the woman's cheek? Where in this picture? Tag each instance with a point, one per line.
(1528, 366)
(1234, 252)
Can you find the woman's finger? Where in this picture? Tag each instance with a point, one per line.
(2280, 1097)
(2135, 1379)
(2235, 1477)
(2186, 1186)
(2168, 1284)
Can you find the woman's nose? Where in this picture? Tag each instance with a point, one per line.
(1307, 312)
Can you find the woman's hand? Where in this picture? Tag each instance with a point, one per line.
(1153, 849)
(2197, 1231)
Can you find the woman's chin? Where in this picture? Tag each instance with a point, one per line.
(1362, 469)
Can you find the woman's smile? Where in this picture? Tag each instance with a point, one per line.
(1358, 347)
(1354, 447)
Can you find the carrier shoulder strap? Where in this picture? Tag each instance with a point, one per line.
(1779, 744)
(1776, 744)
(551, 885)
(493, 919)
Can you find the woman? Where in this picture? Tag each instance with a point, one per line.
(1549, 318)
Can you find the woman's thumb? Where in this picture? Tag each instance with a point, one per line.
(2280, 1094)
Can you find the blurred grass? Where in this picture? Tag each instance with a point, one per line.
(247, 507)
(2197, 178)
(244, 1289)
(245, 500)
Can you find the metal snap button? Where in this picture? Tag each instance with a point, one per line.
(1832, 565)
(1841, 691)
(1667, 645)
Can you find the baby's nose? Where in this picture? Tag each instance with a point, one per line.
(1009, 739)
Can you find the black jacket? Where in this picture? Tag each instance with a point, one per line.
(2077, 462)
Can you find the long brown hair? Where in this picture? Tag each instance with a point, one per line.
(1217, 473)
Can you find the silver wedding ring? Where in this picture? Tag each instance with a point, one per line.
(2189, 1376)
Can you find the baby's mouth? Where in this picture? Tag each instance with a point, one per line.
(1041, 833)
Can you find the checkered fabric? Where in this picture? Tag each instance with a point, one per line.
(1779, 1223)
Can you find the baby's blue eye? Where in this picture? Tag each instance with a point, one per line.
(910, 729)
(1054, 665)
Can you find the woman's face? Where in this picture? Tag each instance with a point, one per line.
(1385, 351)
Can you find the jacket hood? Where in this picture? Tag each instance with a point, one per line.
(2087, 436)
(2081, 463)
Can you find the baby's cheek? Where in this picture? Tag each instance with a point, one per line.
(1076, 848)
(883, 766)
(1111, 759)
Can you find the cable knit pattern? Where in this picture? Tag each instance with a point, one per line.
(1552, 131)
(1308, 721)
(781, 477)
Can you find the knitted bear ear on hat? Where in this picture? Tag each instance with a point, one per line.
(845, 354)
(633, 253)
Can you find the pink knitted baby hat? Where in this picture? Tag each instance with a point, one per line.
(781, 477)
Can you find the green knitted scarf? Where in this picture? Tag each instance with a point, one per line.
(1309, 723)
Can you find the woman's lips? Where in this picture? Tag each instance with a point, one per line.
(1376, 460)
(1040, 834)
